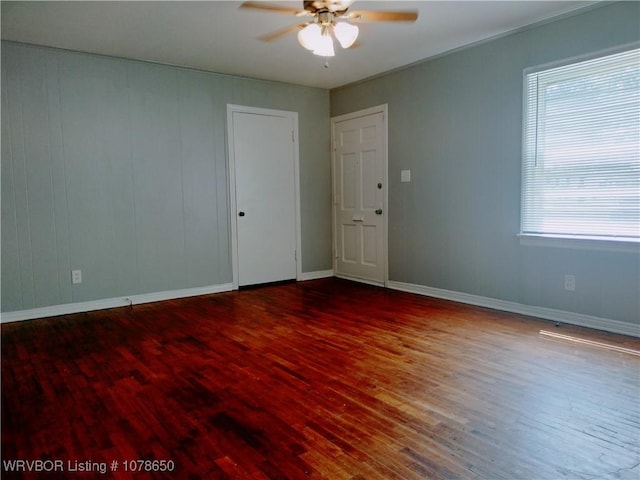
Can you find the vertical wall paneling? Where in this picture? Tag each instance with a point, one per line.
(119, 168)
(58, 178)
(99, 188)
(37, 164)
(20, 178)
(11, 290)
(156, 156)
(222, 88)
(198, 177)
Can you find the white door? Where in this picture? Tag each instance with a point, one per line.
(359, 188)
(263, 157)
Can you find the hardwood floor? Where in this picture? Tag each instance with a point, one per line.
(325, 379)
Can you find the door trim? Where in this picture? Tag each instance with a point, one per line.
(231, 164)
(385, 191)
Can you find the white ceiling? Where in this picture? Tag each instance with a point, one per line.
(217, 36)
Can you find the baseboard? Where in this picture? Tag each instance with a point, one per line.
(81, 307)
(304, 276)
(606, 324)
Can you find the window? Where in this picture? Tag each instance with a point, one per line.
(581, 152)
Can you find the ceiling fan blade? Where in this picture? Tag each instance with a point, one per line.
(381, 16)
(269, 7)
(270, 37)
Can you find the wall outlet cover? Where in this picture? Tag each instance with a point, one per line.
(570, 283)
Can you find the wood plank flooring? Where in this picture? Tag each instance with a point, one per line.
(326, 379)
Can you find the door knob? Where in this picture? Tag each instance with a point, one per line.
(379, 211)
(241, 214)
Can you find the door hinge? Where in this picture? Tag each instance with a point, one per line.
(295, 255)
(293, 140)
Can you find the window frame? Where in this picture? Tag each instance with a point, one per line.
(579, 242)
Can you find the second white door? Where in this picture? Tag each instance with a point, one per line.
(359, 188)
(262, 152)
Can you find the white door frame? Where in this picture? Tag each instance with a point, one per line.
(385, 187)
(293, 116)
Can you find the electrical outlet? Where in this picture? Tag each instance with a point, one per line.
(76, 276)
(570, 283)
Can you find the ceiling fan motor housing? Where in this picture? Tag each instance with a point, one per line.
(319, 6)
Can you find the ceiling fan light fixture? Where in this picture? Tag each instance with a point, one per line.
(310, 36)
(325, 47)
(328, 22)
(345, 33)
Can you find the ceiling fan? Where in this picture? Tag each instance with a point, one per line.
(329, 19)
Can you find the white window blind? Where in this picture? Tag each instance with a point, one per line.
(581, 155)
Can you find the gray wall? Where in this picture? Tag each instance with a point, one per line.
(455, 122)
(118, 168)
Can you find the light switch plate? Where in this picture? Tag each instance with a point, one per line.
(405, 175)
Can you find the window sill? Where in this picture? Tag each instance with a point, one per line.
(580, 243)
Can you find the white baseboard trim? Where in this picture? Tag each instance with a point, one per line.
(81, 307)
(304, 276)
(606, 324)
